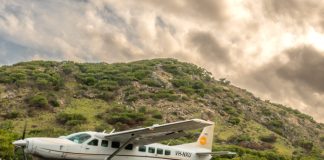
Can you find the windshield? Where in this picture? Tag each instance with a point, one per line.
(80, 138)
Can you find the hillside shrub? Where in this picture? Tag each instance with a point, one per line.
(53, 100)
(307, 145)
(67, 68)
(322, 138)
(12, 115)
(107, 96)
(268, 138)
(165, 94)
(70, 119)
(230, 110)
(107, 85)
(276, 123)
(124, 115)
(156, 114)
(239, 138)
(187, 90)
(224, 81)
(255, 145)
(38, 100)
(142, 109)
(234, 120)
(151, 82)
(265, 111)
(141, 74)
(6, 147)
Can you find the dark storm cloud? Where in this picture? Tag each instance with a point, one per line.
(305, 67)
(208, 47)
(297, 72)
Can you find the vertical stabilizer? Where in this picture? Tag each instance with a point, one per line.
(205, 139)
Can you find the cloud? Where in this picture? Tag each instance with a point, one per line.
(192, 9)
(302, 63)
(295, 77)
(257, 45)
(299, 11)
(208, 47)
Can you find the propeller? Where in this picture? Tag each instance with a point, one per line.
(22, 143)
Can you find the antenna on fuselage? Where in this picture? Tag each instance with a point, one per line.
(112, 131)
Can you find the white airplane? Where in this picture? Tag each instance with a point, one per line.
(135, 144)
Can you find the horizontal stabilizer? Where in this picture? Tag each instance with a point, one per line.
(219, 153)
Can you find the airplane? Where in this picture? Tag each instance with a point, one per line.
(134, 144)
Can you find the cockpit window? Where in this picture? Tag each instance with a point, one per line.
(94, 142)
(80, 138)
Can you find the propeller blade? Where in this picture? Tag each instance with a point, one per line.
(24, 132)
(15, 152)
(24, 154)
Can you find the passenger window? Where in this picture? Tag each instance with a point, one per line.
(167, 152)
(142, 148)
(94, 142)
(115, 144)
(151, 150)
(129, 147)
(104, 143)
(159, 151)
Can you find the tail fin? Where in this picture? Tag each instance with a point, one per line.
(205, 139)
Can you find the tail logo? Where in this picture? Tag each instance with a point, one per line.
(203, 140)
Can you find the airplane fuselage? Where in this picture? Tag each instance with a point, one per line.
(95, 148)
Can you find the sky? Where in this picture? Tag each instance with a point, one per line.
(272, 48)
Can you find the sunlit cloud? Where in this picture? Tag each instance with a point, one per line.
(243, 40)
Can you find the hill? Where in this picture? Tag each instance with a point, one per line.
(58, 98)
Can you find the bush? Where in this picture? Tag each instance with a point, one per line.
(70, 119)
(224, 81)
(107, 85)
(142, 109)
(6, 147)
(276, 124)
(151, 82)
(42, 83)
(38, 100)
(268, 138)
(157, 115)
(230, 110)
(234, 120)
(89, 81)
(107, 95)
(239, 138)
(12, 115)
(67, 68)
(141, 74)
(255, 145)
(265, 111)
(198, 85)
(322, 139)
(121, 114)
(307, 145)
(165, 94)
(52, 100)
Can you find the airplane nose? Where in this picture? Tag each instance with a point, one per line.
(20, 143)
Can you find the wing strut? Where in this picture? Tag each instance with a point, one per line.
(120, 148)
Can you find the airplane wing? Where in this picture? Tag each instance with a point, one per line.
(157, 133)
(219, 153)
